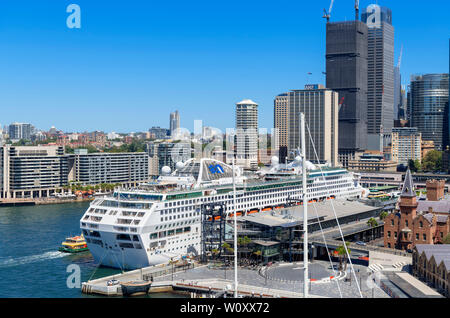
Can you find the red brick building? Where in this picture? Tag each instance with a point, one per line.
(418, 222)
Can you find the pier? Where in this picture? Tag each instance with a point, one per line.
(166, 282)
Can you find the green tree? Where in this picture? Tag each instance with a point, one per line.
(372, 223)
(342, 254)
(383, 215)
(432, 161)
(447, 239)
(414, 165)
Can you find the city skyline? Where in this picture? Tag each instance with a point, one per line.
(167, 57)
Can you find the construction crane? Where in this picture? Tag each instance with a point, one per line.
(400, 58)
(327, 14)
(356, 10)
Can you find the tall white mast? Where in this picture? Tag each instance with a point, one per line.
(235, 236)
(305, 206)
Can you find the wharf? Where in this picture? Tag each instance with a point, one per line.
(201, 286)
(41, 201)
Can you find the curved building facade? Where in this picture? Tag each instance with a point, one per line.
(429, 95)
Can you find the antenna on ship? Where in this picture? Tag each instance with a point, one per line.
(235, 236)
(305, 206)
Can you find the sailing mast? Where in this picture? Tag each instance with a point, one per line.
(235, 236)
(305, 206)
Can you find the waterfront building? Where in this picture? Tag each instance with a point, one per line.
(97, 168)
(246, 150)
(429, 97)
(321, 109)
(406, 144)
(32, 171)
(431, 264)
(396, 179)
(372, 161)
(380, 69)
(346, 73)
(418, 222)
(283, 228)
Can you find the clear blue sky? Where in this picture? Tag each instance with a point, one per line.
(133, 62)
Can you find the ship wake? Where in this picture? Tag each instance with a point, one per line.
(12, 262)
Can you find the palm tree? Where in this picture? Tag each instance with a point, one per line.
(372, 223)
(342, 255)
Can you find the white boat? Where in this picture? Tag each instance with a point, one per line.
(161, 221)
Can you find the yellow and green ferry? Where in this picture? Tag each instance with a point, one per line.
(74, 244)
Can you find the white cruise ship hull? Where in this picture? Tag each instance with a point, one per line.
(136, 228)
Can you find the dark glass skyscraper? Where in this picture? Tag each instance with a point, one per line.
(346, 63)
(380, 67)
(429, 97)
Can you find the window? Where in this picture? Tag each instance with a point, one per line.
(392, 222)
(424, 237)
(417, 236)
(420, 224)
(389, 233)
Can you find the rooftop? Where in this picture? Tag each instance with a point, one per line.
(294, 216)
(441, 253)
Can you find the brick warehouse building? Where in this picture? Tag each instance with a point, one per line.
(418, 222)
(431, 264)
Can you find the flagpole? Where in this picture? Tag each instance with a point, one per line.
(305, 206)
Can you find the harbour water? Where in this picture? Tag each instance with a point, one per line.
(30, 263)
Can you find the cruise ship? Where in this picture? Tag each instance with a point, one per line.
(159, 221)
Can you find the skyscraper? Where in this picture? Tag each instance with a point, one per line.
(174, 123)
(346, 63)
(320, 106)
(429, 96)
(380, 70)
(247, 134)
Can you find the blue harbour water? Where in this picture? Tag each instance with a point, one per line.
(30, 263)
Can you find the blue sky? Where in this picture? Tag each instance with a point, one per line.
(133, 62)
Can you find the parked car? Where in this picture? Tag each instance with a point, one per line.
(360, 243)
(112, 282)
